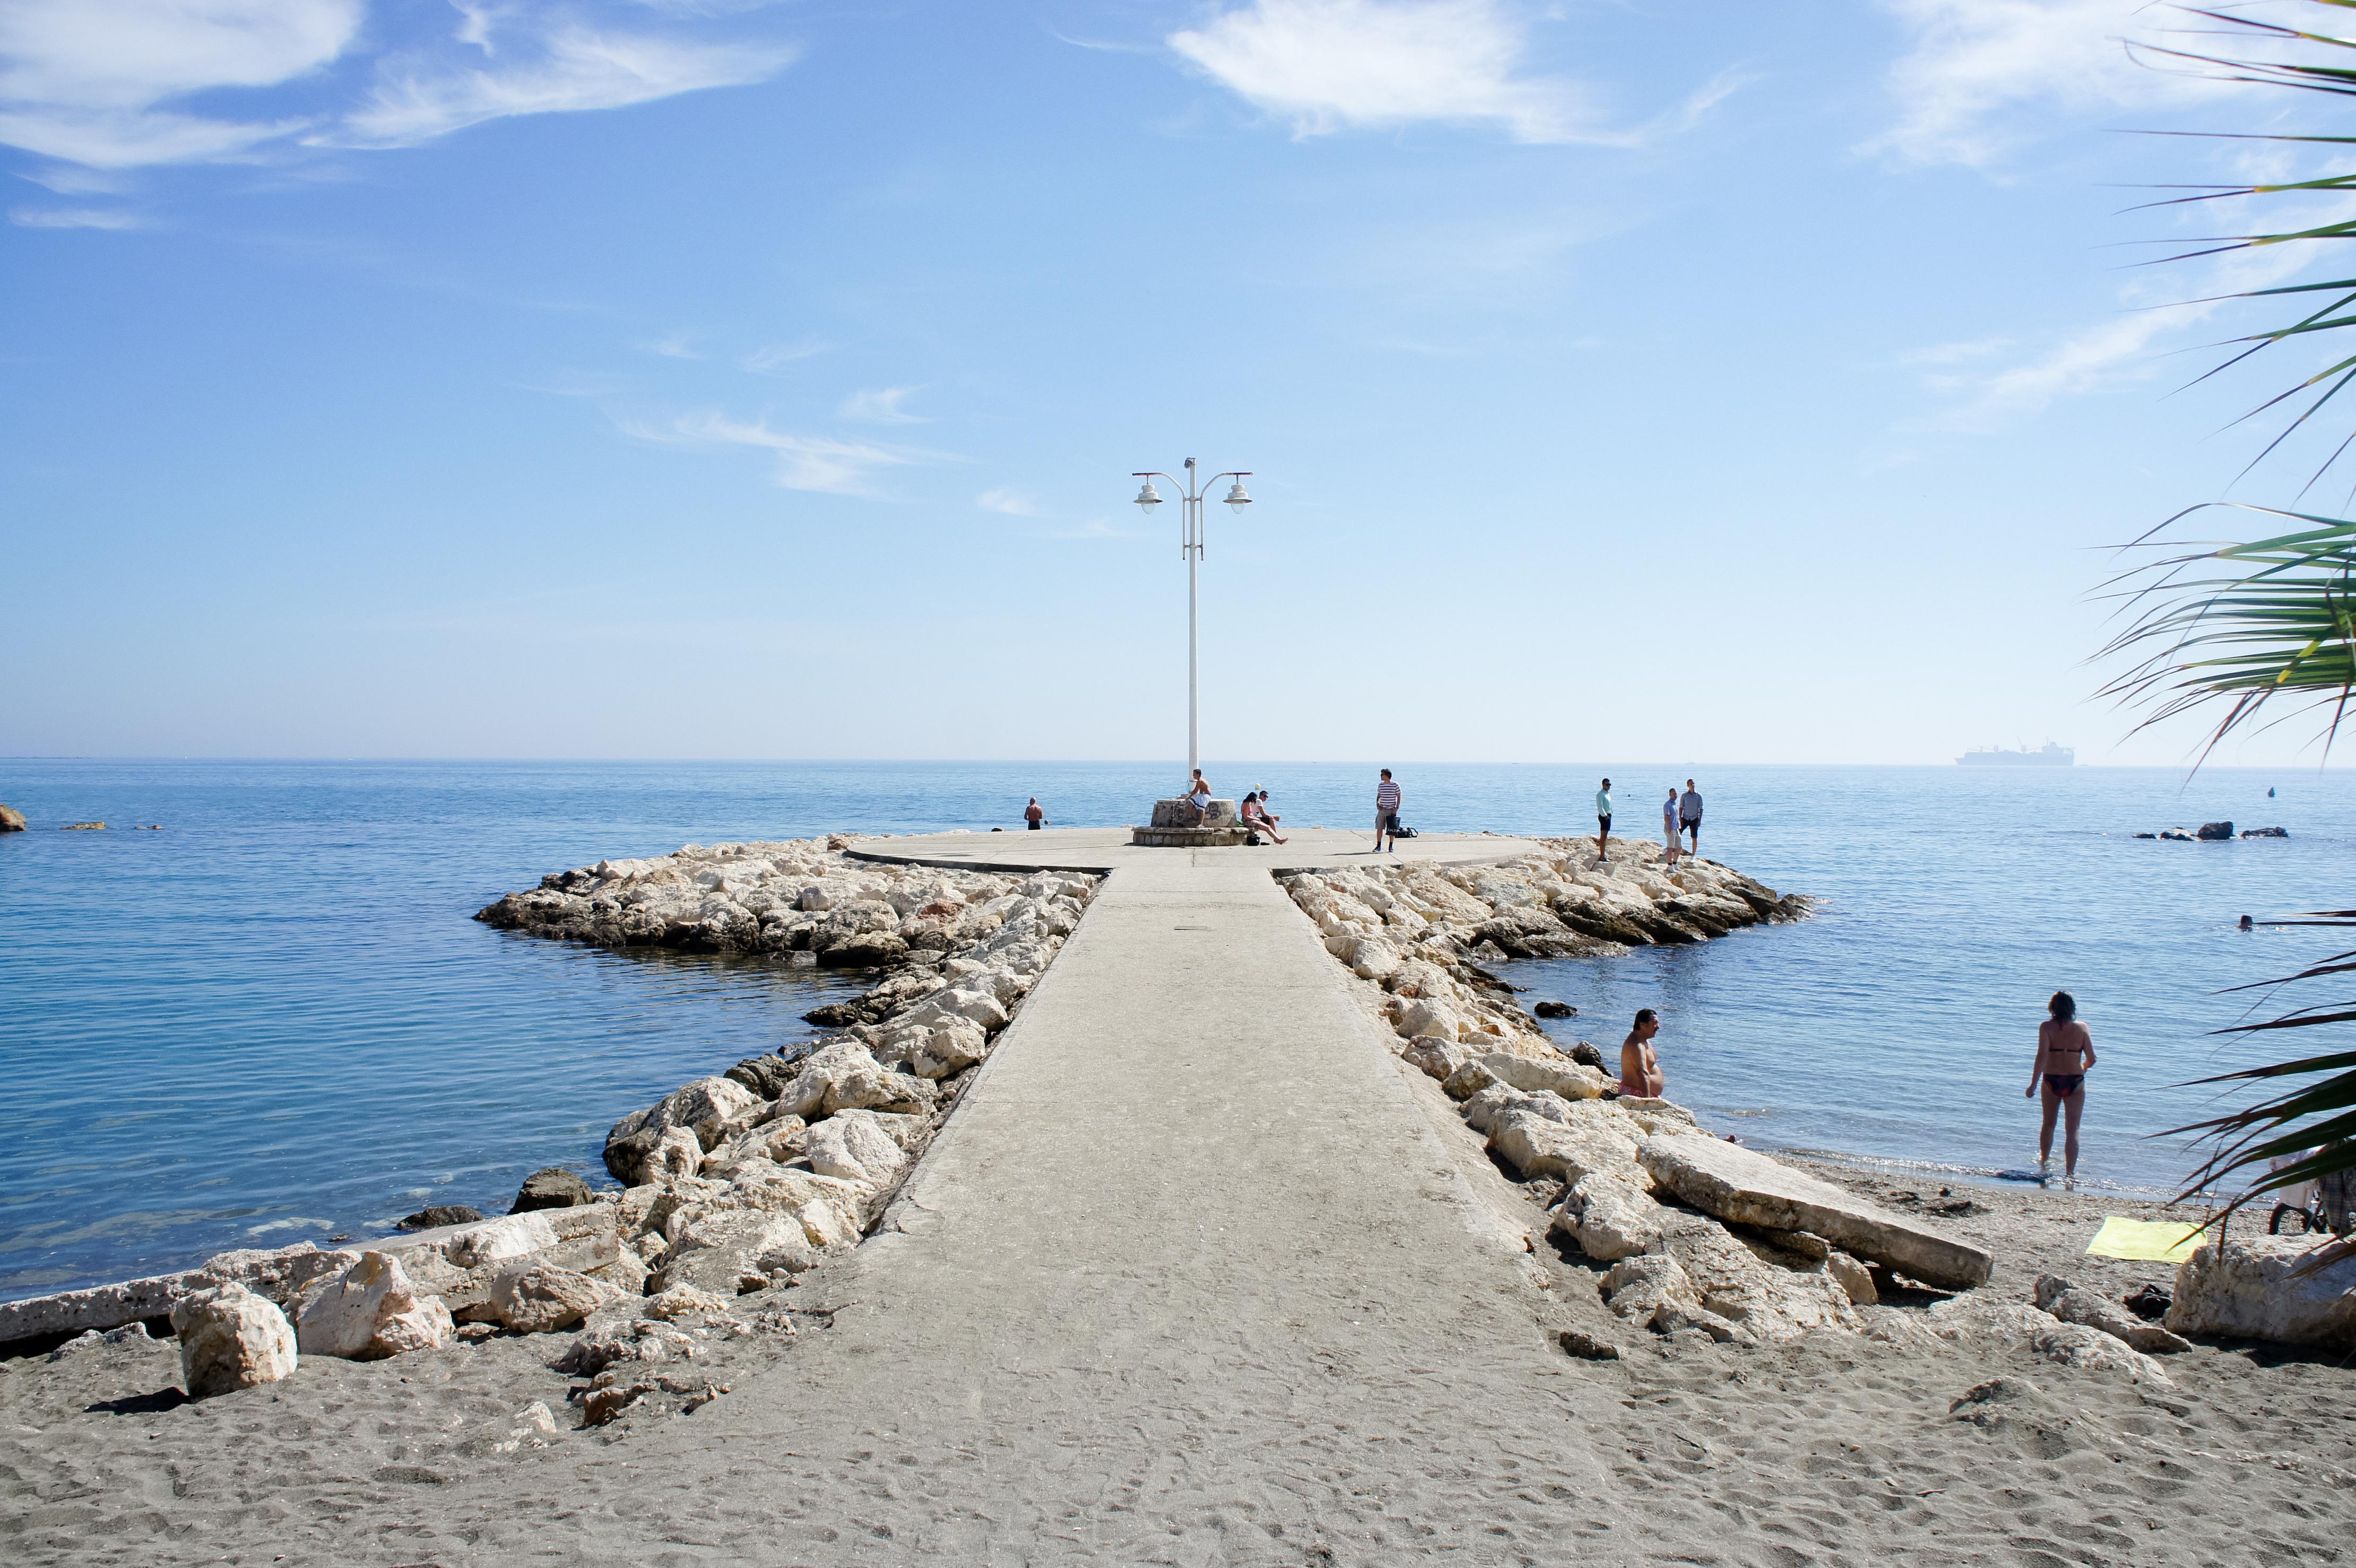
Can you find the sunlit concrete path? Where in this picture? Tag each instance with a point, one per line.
(1190, 1276)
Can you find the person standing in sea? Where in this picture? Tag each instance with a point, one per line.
(2065, 1051)
(1386, 805)
(1603, 822)
(1689, 815)
(1640, 1068)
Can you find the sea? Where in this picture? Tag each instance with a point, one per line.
(256, 1009)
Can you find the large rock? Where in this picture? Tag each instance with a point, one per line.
(498, 1241)
(1554, 1076)
(701, 1107)
(12, 820)
(1570, 1147)
(276, 1275)
(2262, 1289)
(369, 1311)
(543, 1298)
(855, 1149)
(1608, 1218)
(2072, 1304)
(554, 1187)
(1745, 1187)
(732, 1251)
(232, 1339)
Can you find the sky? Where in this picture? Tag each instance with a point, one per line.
(719, 379)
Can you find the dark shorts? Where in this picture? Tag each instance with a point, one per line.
(1688, 824)
(1606, 823)
(1033, 826)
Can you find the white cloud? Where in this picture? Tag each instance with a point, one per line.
(804, 462)
(1328, 64)
(1095, 528)
(83, 80)
(881, 407)
(94, 82)
(1013, 503)
(770, 356)
(2128, 347)
(578, 68)
(1980, 71)
(75, 217)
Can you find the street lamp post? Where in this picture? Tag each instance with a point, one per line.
(1190, 495)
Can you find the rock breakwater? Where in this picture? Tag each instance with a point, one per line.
(1691, 1233)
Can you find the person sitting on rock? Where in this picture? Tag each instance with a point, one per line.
(1198, 798)
(1256, 817)
(1640, 1069)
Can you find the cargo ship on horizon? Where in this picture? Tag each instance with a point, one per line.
(2047, 756)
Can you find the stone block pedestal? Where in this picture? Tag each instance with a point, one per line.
(1174, 827)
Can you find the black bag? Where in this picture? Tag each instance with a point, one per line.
(1398, 832)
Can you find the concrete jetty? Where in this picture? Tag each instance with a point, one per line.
(1190, 1275)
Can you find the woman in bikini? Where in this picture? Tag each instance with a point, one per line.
(2065, 1053)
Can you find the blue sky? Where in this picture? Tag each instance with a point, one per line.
(650, 378)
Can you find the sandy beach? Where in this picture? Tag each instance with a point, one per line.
(1836, 1450)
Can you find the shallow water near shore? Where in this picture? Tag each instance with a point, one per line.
(273, 1020)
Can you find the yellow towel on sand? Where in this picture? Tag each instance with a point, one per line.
(2153, 1239)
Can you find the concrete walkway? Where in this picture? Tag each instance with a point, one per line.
(1188, 1277)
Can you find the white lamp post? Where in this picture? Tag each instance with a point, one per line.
(1191, 547)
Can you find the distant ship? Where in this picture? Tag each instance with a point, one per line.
(2047, 756)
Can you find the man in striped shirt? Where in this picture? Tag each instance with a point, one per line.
(1386, 805)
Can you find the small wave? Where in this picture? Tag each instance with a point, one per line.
(1896, 1165)
(290, 1225)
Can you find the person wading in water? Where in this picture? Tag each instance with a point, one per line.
(2065, 1053)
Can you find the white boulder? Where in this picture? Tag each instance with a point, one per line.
(2264, 1287)
(371, 1311)
(232, 1339)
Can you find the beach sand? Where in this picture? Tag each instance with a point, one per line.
(1839, 1450)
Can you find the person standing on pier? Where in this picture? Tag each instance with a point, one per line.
(1386, 805)
(1034, 816)
(1603, 822)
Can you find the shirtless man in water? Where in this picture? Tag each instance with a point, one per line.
(1640, 1070)
(2064, 1051)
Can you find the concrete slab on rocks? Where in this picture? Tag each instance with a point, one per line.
(1746, 1187)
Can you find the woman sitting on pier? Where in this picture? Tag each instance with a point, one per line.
(1254, 816)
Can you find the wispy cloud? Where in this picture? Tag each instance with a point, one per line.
(1095, 527)
(75, 217)
(881, 407)
(1327, 65)
(576, 69)
(769, 356)
(1013, 503)
(1979, 70)
(2127, 348)
(804, 462)
(102, 83)
(678, 344)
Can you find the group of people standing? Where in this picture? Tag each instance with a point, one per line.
(1680, 820)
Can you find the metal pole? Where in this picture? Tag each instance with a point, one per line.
(1193, 509)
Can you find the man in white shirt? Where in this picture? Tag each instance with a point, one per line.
(1603, 822)
(1690, 815)
(1386, 805)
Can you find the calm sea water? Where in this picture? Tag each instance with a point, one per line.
(273, 1019)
